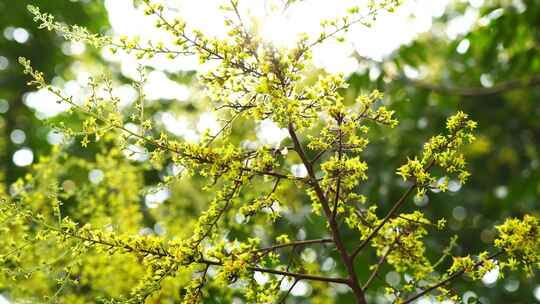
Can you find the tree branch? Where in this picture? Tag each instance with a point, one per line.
(334, 229)
(338, 182)
(164, 253)
(296, 243)
(388, 216)
(301, 276)
(448, 280)
(282, 301)
(379, 264)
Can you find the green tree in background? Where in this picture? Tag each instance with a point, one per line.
(490, 71)
(125, 210)
(20, 37)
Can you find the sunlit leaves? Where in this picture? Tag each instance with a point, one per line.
(251, 185)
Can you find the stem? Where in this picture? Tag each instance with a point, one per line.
(388, 216)
(448, 280)
(379, 264)
(285, 273)
(288, 292)
(338, 182)
(297, 243)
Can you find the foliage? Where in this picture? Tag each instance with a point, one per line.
(67, 238)
(489, 70)
(49, 54)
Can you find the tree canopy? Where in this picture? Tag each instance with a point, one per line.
(413, 178)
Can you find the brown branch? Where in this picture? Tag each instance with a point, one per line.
(225, 126)
(294, 255)
(344, 27)
(398, 204)
(302, 276)
(319, 155)
(448, 280)
(388, 216)
(338, 182)
(415, 221)
(164, 253)
(282, 301)
(297, 243)
(334, 229)
(376, 270)
(203, 281)
(152, 49)
(379, 264)
(228, 199)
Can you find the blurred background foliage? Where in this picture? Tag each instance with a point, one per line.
(50, 53)
(491, 72)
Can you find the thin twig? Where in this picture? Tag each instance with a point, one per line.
(296, 243)
(288, 292)
(448, 280)
(380, 263)
(389, 215)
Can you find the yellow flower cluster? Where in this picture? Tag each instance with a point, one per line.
(441, 151)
